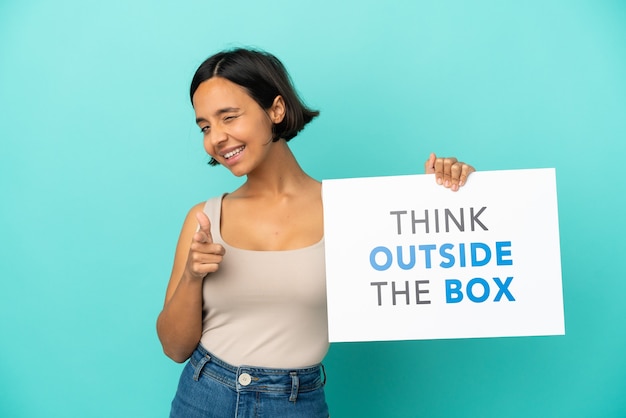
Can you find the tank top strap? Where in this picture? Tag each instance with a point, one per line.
(213, 209)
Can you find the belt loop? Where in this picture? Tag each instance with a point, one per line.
(295, 384)
(200, 366)
(324, 373)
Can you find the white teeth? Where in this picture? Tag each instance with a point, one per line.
(233, 152)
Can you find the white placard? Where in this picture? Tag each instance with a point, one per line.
(407, 259)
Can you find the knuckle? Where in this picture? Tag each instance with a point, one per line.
(217, 249)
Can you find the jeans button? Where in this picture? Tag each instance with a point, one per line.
(244, 379)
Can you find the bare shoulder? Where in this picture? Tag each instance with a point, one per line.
(199, 207)
(190, 222)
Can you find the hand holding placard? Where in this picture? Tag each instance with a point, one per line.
(449, 172)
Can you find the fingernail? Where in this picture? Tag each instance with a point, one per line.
(439, 182)
(447, 183)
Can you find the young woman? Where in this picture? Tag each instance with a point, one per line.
(246, 301)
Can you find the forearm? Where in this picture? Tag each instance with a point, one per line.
(179, 325)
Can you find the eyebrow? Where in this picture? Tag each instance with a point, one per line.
(219, 112)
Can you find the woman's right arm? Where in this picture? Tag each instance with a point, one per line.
(179, 324)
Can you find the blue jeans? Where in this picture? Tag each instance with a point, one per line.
(212, 388)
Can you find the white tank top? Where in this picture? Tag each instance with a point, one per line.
(265, 308)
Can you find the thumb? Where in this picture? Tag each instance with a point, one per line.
(204, 228)
(429, 165)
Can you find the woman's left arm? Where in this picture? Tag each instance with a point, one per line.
(449, 172)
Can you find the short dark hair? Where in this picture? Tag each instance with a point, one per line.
(264, 77)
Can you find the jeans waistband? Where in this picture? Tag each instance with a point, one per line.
(260, 379)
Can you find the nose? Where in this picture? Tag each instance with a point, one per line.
(216, 136)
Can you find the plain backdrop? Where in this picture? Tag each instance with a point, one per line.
(100, 160)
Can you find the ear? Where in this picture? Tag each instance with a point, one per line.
(277, 110)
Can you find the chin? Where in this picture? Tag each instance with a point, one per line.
(237, 172)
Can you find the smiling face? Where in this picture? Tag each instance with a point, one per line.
(237, 131)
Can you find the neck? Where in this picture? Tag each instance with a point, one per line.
(279, 175)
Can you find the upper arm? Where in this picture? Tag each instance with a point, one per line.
(190, 226)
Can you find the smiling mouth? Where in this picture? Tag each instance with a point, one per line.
(234, 152)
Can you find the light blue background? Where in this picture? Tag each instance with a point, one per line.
(100, 160)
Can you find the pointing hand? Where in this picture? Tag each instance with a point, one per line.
(204, 255)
